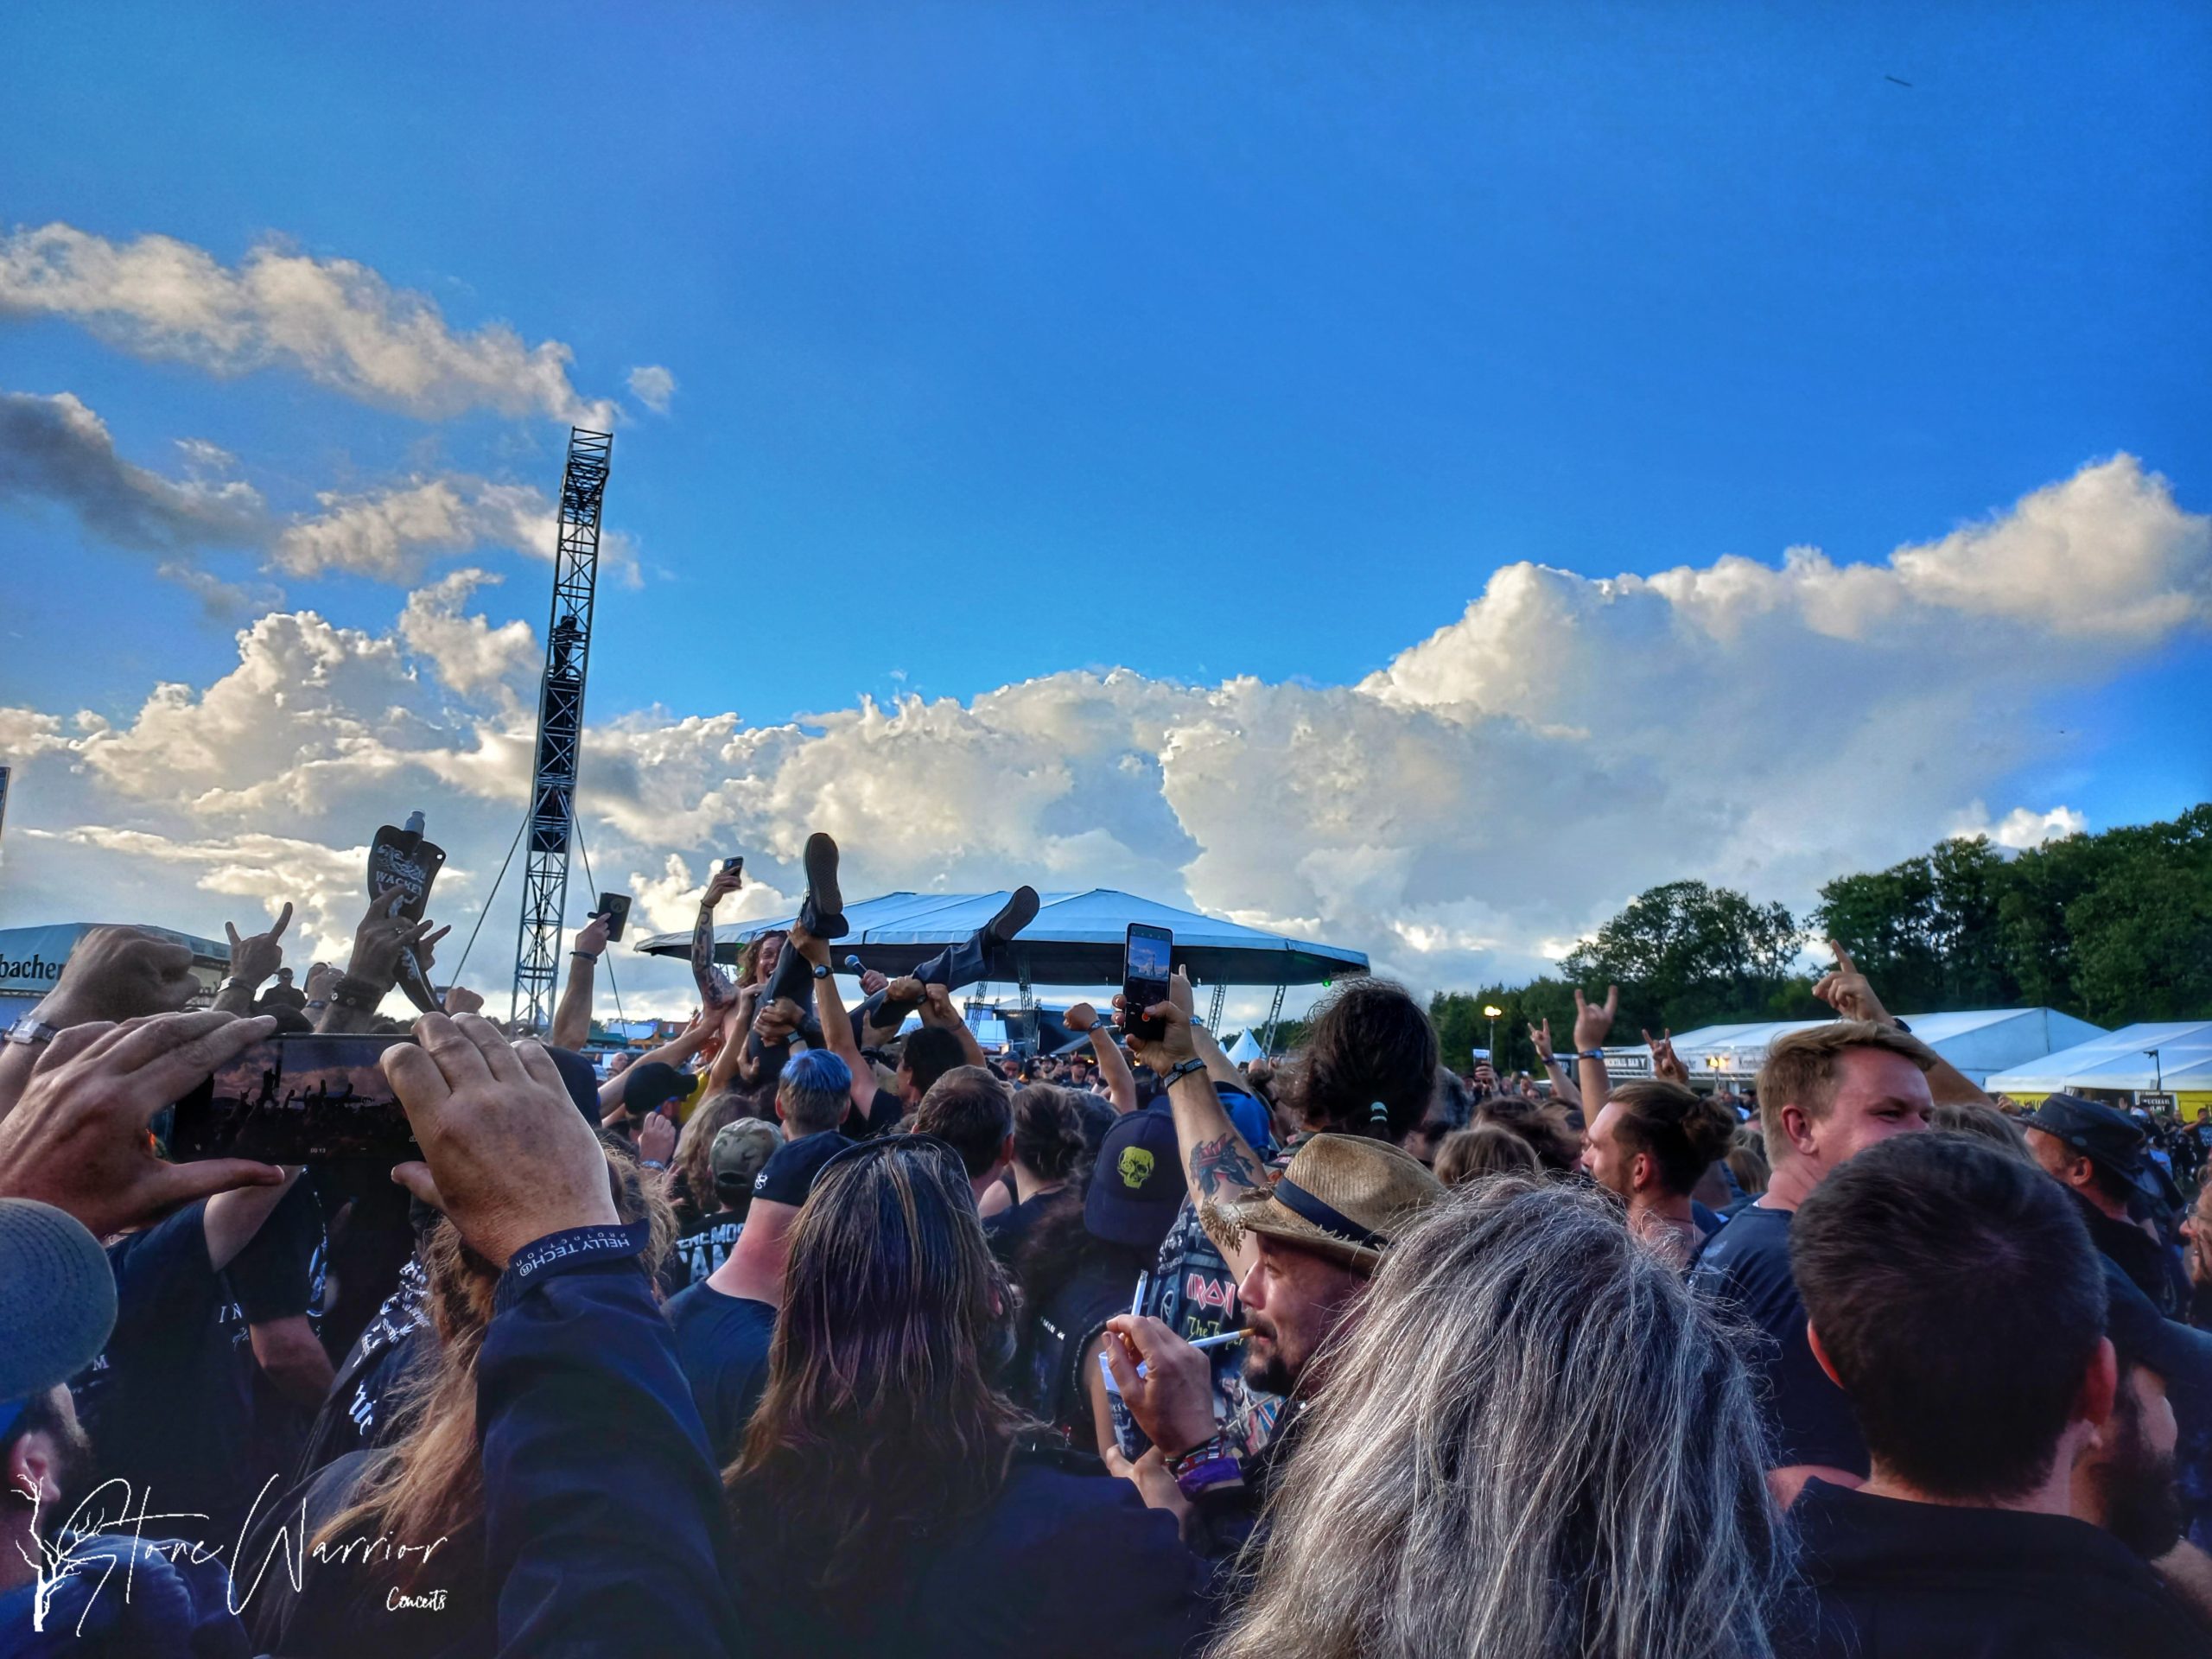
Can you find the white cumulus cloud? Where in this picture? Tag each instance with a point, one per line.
(336, 320)
(1499, 788)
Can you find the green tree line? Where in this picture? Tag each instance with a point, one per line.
(2112, 928)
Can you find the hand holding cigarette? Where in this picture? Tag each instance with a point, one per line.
(1166, 1382)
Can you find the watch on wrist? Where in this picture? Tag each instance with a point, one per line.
(820, 969)
(30, 1029)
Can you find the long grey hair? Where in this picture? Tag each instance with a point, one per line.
(1533, 1443)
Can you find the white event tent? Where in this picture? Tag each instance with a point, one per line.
(1978, 1042)
(2175, 1057)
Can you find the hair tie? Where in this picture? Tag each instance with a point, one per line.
(1378, 1113)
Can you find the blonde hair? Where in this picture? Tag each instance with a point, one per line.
(1800, 1070)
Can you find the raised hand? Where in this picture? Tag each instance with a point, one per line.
(1173, 1045)
(425, 947)
(1081, 1019)
(1540, 1037)
(656, 1139)
(119, 973)
(1846, 990)
(872, 981)
(1665, 1063)
(1592, 1024)
(383, 934)
(321, 979)
(505, 1153)
(723, 883)
(815, 952)
(461, 999)
(591, 939)
(78, 1137)
(257, 956)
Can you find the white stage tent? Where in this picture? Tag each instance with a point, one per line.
(1244, 1050)
(1978, 1042)
(2123, 1061)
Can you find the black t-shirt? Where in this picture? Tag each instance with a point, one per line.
(1006, 1230)
(357, 1413)
(708, 1246)
(722, 1343)
(1746, 1266)
(1891, 1579)
(1056, 1387)
(883, 1115)
(169, 1404)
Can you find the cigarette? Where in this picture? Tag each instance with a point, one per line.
(1144, 1283)
(1224, 1339)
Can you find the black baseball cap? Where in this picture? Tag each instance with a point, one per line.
(2095, 1130)
(647, 1088)
(788, 1175)
(1136, 1183)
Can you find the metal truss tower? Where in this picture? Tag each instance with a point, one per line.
(559, 729)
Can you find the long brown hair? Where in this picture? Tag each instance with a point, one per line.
(1369, 1044)
(429, 1483)
(879, 1425)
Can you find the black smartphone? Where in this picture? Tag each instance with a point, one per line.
(308, 1099)
(615, 906)
(734, 866)
(1145, 967)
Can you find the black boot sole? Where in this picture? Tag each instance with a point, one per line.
(1019, 911)
(821, 864)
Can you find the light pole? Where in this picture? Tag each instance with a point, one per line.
(1494, 1014)
(2157, 1070)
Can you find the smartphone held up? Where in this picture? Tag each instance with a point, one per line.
(311, 1098)
(1145, 967)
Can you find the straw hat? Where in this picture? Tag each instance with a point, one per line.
(1343, 1195)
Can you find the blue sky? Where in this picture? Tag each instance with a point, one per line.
(1205, 340)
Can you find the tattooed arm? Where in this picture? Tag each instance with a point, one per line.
(1217, 1161)
(716, 988)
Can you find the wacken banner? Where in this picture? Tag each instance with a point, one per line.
(402, 860)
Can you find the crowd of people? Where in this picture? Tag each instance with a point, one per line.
(805, 1333)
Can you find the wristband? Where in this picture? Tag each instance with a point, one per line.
(586, 954)
(1183, 1069)
(1597, 1054)
(353, 992)
(573, 1246)
(1205, 1467)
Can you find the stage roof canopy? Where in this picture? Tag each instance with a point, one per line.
(1076, 939)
